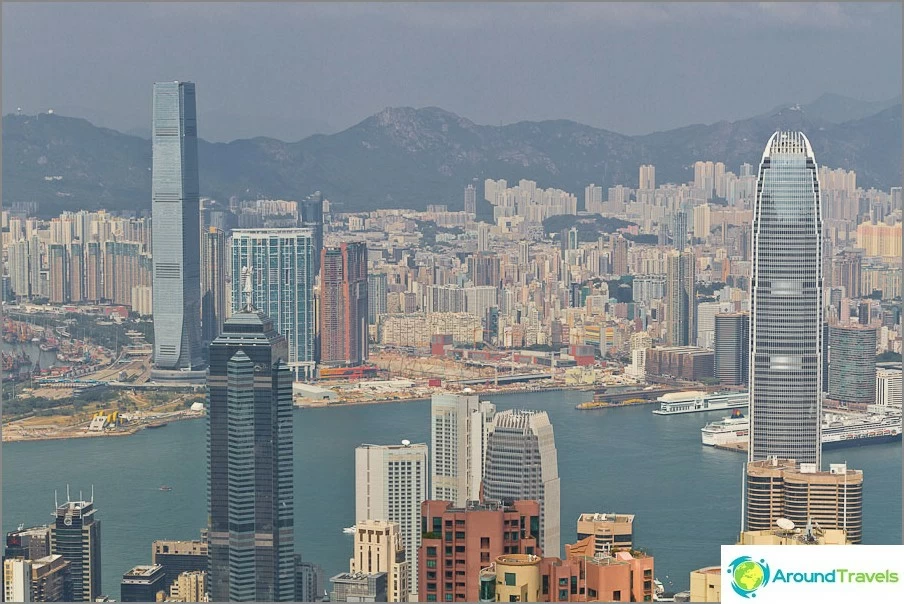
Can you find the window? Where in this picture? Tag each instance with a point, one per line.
(431, 551)
(563, 582)
(514, 598)
(510, 579)
(459, 549)
(448, 587)
(431, 586)
(448, 597)
(647, 585)
(448, 550)
(431, 563)
(459, 534)
(529, 550)
(574, 584)
(484, 557)
(591, 593)
(616, 596)
(431, 574)
(535, 526)
(431, 597)
(545, 584)
(647, 574)
(563, 595)
(484, 542)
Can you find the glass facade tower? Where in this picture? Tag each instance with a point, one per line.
(176, 230)
(282, 286)
(251, 506)
(786, 305)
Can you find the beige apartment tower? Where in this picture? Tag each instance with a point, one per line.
(782, 488)
(379, 549)
(609, 531)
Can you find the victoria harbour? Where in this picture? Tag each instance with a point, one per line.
(624, 460)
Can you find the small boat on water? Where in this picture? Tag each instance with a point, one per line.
(349, 530)
(165, 487)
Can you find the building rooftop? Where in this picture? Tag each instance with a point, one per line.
(606, 517)
(142, 571)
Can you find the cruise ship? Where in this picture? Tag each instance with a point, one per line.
(699, 402)
(837, 430)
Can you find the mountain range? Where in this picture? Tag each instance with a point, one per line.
(406, 157)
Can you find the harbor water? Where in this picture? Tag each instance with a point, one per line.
(686, 497)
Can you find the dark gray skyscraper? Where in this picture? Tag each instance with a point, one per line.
(75, 535)
(249, 436)
(311, 216)
(681, 299)
(732, 348)
(852, 364)
(786, 304)
(176, 231)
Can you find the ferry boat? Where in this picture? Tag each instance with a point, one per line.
(732, 429)
(349, 530)
(838, 430)
(165, 487)
(696, 401)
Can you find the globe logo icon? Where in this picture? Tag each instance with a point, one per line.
(748, 575)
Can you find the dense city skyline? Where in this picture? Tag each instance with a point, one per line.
(523, 394)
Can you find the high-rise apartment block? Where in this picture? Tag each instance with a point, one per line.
(282, 286)
(783, 488)
(471, 199)
(45, 579)
(29, 543)
(250, 459)
(213, 284)
(177, 229)
(888, 386)
(609, 531)
(75, 535)
(377, 295)
(460, 425)
(460, 541)
(522, 463)
(390, 484)
(852, 364)
(732, 348)
(681, 299)
(378, 548)
(647, 179)
(343, 305)
(786, 315)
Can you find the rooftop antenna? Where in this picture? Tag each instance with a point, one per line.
(56, 502)
(92, 493)
(246, 288)
(68, 498)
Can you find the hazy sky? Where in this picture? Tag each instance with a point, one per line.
(289, 69)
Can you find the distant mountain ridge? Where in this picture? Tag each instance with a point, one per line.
(405, 157)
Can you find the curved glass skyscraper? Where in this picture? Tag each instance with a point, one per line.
(786, 304)
(176, 230)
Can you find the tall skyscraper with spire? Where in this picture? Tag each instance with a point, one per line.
(176, 231)
(250, 481)
(786, 305)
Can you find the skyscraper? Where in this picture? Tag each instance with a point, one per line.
(311, 217)
(390, 484)
(176, 215)
(647, 180)
(378, 548)
(681, 299)
(282, 286)
(75, 535)
(852, 364)
(679, 230)
(732, 348)
(786, 305)
(471, 199)
(377, 289)
(522, 463)
(343, 306)
(213, 284)
(459, 427)
(249, 438)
